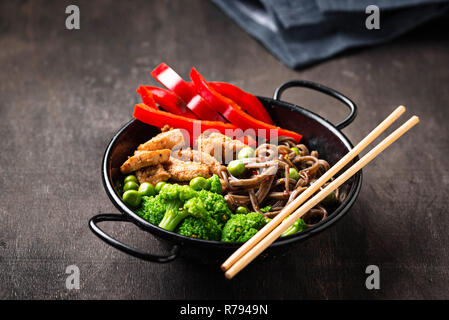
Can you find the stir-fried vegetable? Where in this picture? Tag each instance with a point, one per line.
(245, 100)
(168, 100)
(233, 113)
(159, 118)
(171, 80)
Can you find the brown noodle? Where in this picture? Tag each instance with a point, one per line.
(266, 184)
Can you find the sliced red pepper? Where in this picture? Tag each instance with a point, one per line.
(233, 113)
(245, 100)
(194, 127)
(166, 99)
(147, 98)
(173, 81)
(201, 108)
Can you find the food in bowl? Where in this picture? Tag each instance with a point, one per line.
(216, 172)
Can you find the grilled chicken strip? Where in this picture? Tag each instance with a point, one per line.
(153, 174)
(198, 156)
(172, 139)
(219, 146)
(142, 159)
(186, 170)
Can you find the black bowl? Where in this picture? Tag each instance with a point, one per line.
(318, 134)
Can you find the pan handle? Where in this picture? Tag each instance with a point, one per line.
(323, 89)
(123, 247)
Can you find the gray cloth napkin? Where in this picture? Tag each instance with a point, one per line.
(302, 32)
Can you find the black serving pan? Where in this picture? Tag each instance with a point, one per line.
(318, 134)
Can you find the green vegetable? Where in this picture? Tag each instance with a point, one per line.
(296, 150)
(216, 206)
(152, 209)
(241, 227)
(201, 228)
(236, 168)
(215, 184)
(174, 196)
(159, 186)
(132, 178)
(130, 185)
(132, 198)
(266, 209)
(199, 214)
(294, 174)
(246, 152)
(241, 210)
(146, 189)
(200, 183)
(298, 226)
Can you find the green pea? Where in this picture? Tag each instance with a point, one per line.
(132, 198)
(159, 186)
(200, 183)
(132, 178)
(236, 168)
(146, 189)
(130, 185)
(294, 174)
(241, 210)
(330, 199)
(296, 150)
(246, 152)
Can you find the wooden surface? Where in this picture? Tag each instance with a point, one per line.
(63, 94)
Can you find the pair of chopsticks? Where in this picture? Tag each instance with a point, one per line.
(268, 234)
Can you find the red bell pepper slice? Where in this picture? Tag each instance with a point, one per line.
(245, 100)
(147, 98)
(201, 108)
(171, 80)
(194, 127)
(166, 99)
(233, 113)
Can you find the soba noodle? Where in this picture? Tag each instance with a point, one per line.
(268, 181)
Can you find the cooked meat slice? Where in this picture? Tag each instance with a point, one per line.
(172, 139)
(186, 170)
(153, 174)
(218, 145)
(144, 159)
(198, 156)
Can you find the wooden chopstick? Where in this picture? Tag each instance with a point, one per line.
(270, 238)
(313, 188)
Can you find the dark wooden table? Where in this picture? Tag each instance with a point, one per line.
(64, 93)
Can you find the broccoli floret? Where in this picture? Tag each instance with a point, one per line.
(152, 210)
(298, 226)
(215, 184)
(199, 224)
(216, 206)
(174, 196)
(242, 227)
(201, 228)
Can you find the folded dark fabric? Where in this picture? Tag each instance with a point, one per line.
(300, 33)
(293, 13)
(360, 5)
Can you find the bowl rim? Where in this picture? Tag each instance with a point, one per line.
(145, 225)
